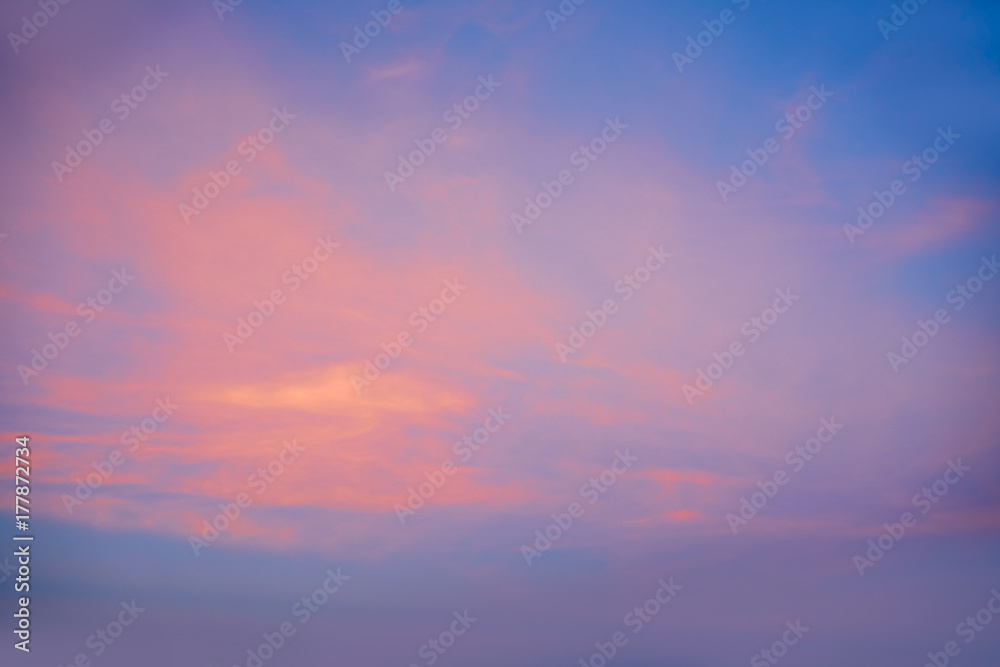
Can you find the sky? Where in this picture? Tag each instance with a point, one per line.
(502, 332)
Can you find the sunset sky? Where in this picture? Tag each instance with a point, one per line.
(397, 302)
